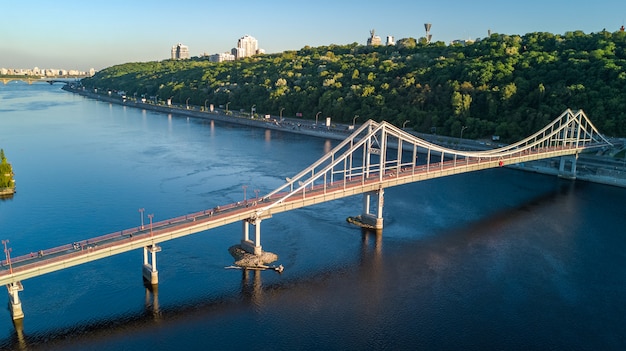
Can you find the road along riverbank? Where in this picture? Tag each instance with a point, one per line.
(300, 126)
(599, 168)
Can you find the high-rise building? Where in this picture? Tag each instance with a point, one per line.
(180, 52)
(246, 47)
(238, 53)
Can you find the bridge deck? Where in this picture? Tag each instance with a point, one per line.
(54, 259)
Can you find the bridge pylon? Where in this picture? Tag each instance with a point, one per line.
(149, 269)
(373, 220)
(15, 305)
(253, 247)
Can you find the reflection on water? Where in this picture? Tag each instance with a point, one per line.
(152, 300)
(252, 294)
(251, 288)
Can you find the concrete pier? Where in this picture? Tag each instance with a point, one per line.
(253, 247)
(149, 270)
(15, 305)
(374, 220)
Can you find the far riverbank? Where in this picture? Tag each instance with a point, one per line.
(594, 168)
(300, 126)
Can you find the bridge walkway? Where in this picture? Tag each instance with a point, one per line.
(57, 258)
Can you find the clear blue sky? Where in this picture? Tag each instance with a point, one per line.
(77, 34)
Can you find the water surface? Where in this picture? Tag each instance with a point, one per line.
(498, 259)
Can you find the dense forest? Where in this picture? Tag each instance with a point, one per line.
(506, 85)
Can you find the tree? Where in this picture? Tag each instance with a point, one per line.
(495, 80)
(6, 172)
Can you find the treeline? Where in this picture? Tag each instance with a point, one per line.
(6, 173)
(506, 85)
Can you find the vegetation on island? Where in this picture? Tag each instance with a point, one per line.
(506, 85)
(7, 183)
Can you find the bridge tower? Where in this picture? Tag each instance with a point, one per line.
(149, 270)
(247, 244)
(15, 305)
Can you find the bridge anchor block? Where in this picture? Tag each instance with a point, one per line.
(564, 170)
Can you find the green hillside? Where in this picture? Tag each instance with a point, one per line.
(507, 85)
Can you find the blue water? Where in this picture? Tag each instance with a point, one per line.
(499, 259)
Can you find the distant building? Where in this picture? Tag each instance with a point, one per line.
(429, 37)
(180, 52)
(49, 72)
(373, 39)
(463, 42)
(390, 40)
(238, 53)
(246, 46)
(221, 57)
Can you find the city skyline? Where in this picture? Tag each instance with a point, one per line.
(77, 35)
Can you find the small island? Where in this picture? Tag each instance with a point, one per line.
(7, 183)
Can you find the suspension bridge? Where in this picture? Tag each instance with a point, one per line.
(376, 156)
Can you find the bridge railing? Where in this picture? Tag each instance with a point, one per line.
(73, 246)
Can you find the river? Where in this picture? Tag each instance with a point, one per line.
(498, 259)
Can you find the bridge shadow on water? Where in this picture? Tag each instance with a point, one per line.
(372, 267)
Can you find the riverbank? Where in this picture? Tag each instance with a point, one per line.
(591, 168)
(7, 183)
(6, 192)
(607, 175)
(299, 126)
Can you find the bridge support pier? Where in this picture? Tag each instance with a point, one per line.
(149, 269)
(567, 166)
(374, 220)
(253, 247)
(15, 305)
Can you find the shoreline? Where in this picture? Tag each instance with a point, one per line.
(591, 171)
(7, 192)
(290, 125)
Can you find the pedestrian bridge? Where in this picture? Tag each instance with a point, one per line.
(374, 157)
